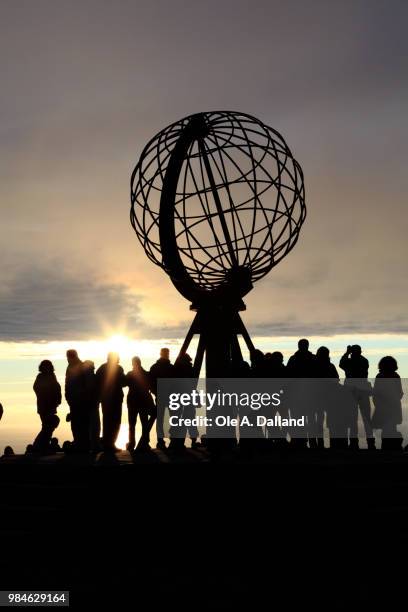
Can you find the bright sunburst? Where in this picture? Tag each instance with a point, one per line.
(120, 344)
(123, 345)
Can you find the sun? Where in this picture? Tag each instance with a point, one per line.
(125, 347)
(120, 344)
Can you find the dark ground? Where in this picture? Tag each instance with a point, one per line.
(291, 531)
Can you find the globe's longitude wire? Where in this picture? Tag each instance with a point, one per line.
(224, 178)
(207, 215)
(240, 206)
(272, 182)
(237, 165)
(190, 236)
(229, 253)
(225, 183)
(254, 188)
(207, 211)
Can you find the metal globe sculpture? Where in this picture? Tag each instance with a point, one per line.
(217, 200)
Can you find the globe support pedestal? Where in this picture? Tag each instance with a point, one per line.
(218, 329)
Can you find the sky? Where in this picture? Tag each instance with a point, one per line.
(86, 84)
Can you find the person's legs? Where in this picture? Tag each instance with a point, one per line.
(191, 430)
(94, 427)
(75, 412)
(132, 416)
(281, 433)
(107, 435)
(83, 429)
(319, 428)
(270, 432)
(353, 426)
(312, 429)
(116, 420)
(177, 433)
(42, 441)
(158, 416)
(151, 420)
(365, 409)
(144, 419)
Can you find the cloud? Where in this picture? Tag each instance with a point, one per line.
(85, 87)
(50, 303)
(41, 304)
(328, 328)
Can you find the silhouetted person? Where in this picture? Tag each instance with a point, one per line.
(183, 369)
(8, 451)
(110, 380)
(1, 411)
(387, 396)
(75, 394)
(140, 404)
(48, 392)
(163, 368)
(324, 369)
(302, 363)
(355, 366)
(259, 366)
(29, 449)
(91, 406)
(300, 366)
(252, 437)
(275, 368)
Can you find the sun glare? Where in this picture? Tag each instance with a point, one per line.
(120, 344)
(126, 348)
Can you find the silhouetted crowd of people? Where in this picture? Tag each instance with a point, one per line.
(86, 390)
(337, 405)
(340, 405)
